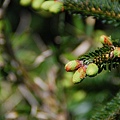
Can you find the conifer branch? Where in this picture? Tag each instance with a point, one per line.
(108, 10)
(111, 111)
(92, 63)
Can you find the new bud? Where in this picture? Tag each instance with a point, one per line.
(25, 2)
(117, 52)
(79, 75)
(57, 7)
(47, 4)
(105, 40)
(36, 4)
(92, 69)
(73, 65)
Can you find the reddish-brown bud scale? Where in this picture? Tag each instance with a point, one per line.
(106, 40)
(73, 65)
(62, 9)
(82, 70)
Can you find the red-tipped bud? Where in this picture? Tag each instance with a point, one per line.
(105, 40)
(79, 75)
(73, 65)
(117, 52)
(92, 69)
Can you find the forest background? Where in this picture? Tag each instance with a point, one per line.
(35, 45)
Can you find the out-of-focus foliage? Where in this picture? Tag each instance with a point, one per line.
(33, 82)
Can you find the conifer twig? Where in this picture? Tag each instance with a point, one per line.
(104, 9)
(111, 111)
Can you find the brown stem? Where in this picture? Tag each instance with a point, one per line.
(3, 8)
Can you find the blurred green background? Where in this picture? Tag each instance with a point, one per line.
(43, 43)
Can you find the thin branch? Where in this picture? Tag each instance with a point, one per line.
(3, 8)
